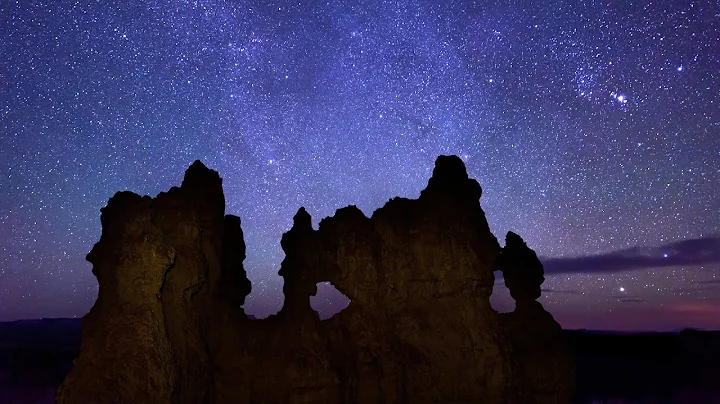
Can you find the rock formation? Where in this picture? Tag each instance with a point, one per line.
(544, 362)
(168, 326)
(159, 265)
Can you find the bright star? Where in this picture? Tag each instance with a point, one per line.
(621, 98)
(622, 289)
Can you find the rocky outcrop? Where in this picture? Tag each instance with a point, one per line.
(168, 324)
(541, 355)
(421, 271)
(126, 353)
(159, 262)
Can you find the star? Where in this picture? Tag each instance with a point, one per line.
(590, 147)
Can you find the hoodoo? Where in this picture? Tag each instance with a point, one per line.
(168, 326)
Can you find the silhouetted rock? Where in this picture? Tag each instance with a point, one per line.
(158, 264)
(546, 369)
(299, 282)
(419, 274)
(233, 285)
(521, 268)
(168, 324)
(125, 354)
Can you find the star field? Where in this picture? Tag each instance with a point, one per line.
(592, 126)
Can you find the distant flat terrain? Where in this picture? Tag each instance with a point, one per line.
(35, 355)
(682, 367)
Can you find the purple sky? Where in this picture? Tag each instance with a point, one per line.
(593, 128)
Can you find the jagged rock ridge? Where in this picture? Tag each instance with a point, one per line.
(168, 324)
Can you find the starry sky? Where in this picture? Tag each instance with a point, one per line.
(592, 126)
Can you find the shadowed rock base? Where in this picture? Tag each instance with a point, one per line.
(168, 326)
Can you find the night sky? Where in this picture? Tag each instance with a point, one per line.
(592, 126)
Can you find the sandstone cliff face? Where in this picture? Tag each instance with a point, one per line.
(125, 330)
(168, 324)
(158, 264)
(423, 270)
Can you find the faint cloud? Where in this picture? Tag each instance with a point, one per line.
(697, 307)
(700, 251)
(709, 284)
(562, 291)
(631, 300)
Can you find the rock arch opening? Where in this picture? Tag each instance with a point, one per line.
(500, 299)
(328, 301)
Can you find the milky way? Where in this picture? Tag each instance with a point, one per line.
(591, 126)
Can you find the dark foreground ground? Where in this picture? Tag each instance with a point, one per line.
(679, 367)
